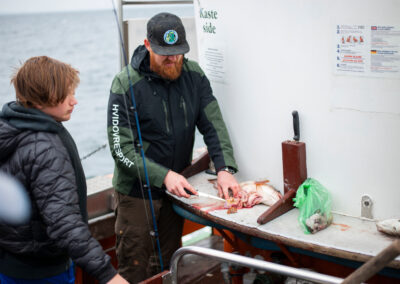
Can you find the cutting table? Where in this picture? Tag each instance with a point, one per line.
(348, 238)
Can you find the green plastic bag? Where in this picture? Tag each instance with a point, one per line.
(314, 203)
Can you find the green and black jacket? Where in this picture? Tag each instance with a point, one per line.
(168, 112)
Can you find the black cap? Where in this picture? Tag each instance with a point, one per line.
(167, 35)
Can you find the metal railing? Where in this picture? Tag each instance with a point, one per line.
(363, 273)
(171, 277)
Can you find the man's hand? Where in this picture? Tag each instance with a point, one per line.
(176, 184)
(226, 181)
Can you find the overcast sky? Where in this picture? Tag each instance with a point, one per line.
(33, 6)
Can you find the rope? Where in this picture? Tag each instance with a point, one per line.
(94, 151)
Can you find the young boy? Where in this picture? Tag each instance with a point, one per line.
(36, 149)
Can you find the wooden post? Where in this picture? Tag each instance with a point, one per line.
(294, 164)
(294, 174)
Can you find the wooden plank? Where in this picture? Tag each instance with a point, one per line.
(374, 265)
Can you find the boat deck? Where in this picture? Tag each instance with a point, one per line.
(207, 270)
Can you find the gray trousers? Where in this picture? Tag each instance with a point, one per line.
(136, 247)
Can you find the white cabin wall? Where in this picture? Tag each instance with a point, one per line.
(279, 56)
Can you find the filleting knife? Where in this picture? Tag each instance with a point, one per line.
(203, 194)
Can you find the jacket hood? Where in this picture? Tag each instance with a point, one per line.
(141, 59)
(29, 118)
(141, 62)
(15, 119)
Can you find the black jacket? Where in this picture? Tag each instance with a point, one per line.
(168, 113)
(41, 154)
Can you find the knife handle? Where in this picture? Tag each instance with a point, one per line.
(296, 126)
(188, 191)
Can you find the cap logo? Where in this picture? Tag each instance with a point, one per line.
(170, 37)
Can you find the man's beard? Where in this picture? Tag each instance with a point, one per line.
(169, 73)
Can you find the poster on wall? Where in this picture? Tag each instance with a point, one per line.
(367, 50)
(214, 62)
(351, 51)
(385, 49)
(212, 51)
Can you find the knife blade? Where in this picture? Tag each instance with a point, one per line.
(203, 194)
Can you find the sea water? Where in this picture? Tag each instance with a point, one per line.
(88, 41)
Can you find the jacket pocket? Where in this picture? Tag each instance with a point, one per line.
(167, 128)
(185, 114)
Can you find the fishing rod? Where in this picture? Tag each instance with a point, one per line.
(140, 145)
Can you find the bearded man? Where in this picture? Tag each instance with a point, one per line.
(173, 97)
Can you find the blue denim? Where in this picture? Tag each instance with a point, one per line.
(67, 277)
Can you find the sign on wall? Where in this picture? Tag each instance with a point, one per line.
(368, 50)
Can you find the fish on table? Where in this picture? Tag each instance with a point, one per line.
(317, 222)
(389, 226)
(250, 194)
(258, 192)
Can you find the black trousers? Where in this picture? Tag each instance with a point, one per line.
(136, 246)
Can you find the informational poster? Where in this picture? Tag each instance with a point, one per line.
(385, 49)
(351, 51)
(367, 50)
(212, 50)
(214, 63)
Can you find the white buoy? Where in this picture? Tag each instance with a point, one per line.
(15, 206)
